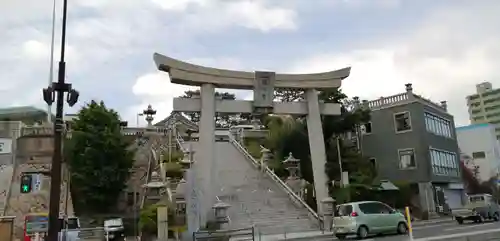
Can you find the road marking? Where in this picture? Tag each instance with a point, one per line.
(468, 226)
(456, 235)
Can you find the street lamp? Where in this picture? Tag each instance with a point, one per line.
(49, 95)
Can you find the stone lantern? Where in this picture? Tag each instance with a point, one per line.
(255, 123)
(292, 165)
(149, 113)
(328, 206)
(220, 212)
(186, 161)
(293, 180)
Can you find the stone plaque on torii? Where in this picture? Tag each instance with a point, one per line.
(263, 85)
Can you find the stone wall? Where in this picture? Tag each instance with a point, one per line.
(33, 154)
(35, 202)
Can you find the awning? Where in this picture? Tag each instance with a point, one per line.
(386, 185)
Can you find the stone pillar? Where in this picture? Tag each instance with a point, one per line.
(264, 159)
(317, 146)
(426, 198)
(328, 207)
(207, 166)
(162, 223)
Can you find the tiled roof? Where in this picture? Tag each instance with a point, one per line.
(175, 116)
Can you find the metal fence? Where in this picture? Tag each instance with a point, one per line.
(244, 234)
(87, 234)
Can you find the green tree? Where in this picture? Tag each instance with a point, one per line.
(290, 135)
(98, 157)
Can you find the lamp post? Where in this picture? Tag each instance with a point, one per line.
(49, 95)
(137, 118)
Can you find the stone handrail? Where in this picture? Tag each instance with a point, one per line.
(180, 142)
(151, 158)
(276, 179)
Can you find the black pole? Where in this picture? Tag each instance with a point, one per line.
(55, 182)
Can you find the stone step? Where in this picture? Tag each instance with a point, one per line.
(254, 198)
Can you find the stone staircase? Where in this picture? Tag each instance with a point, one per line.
(255, 198)
(36, 201)
(6, 172)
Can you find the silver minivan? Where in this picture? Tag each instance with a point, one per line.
(368, 217)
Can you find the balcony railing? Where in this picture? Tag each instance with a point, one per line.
(402, 98)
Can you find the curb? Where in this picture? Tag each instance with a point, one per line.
(432, 221)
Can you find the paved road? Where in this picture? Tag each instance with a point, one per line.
(449, 230)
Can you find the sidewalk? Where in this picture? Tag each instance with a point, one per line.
(434, 220)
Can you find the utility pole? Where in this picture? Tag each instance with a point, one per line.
(51, 70)
(49, 95)
(339, 156)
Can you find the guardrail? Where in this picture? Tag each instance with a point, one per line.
(296, 199)
(233, 234)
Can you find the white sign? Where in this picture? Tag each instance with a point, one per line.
(5, 145)
(37, 182)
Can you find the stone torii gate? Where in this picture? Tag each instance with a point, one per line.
(263, 85)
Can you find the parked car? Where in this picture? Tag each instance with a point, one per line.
(366, 218)
(479, 207)
(114, 230)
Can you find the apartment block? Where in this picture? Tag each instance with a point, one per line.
(484, 106)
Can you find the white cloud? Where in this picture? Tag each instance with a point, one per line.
(213, 15)
(156, 90)
(35, 50)
(178, 5)
(452, 50)
(254, 14)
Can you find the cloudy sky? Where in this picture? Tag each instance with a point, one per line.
(443, 47)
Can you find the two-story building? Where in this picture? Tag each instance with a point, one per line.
(412, 140)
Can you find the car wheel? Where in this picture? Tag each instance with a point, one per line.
(459, 220)
(496, 217)
(341, 236)
(402, 228)
(362, 232)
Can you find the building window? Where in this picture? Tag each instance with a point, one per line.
(402, 121)
(438, 125)
(366, 128)
(407, 159)
(444, 163)
(478, 155)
